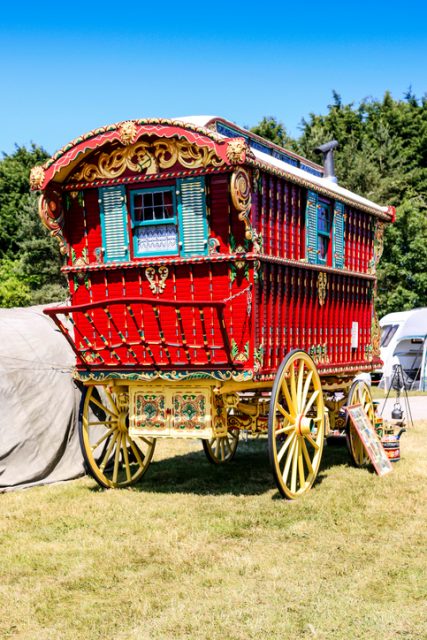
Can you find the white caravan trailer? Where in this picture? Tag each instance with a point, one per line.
(404, 341)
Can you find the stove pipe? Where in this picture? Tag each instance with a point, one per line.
(327, 151)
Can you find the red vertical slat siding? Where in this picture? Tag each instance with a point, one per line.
(219, 210)
(280, 221)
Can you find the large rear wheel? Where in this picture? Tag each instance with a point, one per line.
(111, 457)
(359, 393)
(296, 424)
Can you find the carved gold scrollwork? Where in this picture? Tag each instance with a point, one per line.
(157, 279)
(149, 157)
(240, 188)
(37, 176)
(322, 283)
(52, 216)
(375, 336)
(378, 246)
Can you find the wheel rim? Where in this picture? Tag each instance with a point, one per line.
(359, 393)
(222, 449)
(296, 425)
(112, 458)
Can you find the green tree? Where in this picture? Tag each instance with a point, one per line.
(271, 129)
(29, 257)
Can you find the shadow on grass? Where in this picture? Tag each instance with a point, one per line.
(248, 473)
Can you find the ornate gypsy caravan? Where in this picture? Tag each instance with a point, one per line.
(218, 283)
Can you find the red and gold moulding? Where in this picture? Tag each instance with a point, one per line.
(229, 151)
(52, 216)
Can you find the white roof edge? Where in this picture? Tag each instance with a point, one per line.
(316, 181)
(325, 183)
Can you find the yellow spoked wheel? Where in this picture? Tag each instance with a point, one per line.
(112, 458)
(296, 425)
(359, 393)
(221, 450)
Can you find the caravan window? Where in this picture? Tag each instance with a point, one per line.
(387, 333)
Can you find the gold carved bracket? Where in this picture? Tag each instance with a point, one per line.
(157, 278)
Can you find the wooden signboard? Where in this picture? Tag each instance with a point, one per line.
(369, 438)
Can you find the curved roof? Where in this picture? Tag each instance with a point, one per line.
(209, 131)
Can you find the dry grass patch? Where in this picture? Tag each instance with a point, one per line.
(200, 552)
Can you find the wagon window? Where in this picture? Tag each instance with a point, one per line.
(323, 231)
(154, 221)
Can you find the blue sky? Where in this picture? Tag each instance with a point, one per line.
(68, 68)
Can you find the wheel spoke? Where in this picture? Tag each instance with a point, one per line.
(311, 441)
(299, 386)
(108, 452)
(287, 429)
(289, 459)
(306, 388)
(310, 402)
(136, 453)
(284, 413)
(117, 458)
(287, 395)
(102, 407)
(294, 467)
(111, 399)
(99, 422)
(104, 437)
(126, 457)
(293, 387)
(286, 444)
(306, 456)
(300, 464)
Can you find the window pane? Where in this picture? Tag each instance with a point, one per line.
(322, 246)
(157, 239)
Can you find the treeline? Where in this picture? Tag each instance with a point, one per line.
(382, 155)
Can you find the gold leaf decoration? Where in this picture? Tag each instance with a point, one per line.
(52, 216)
(322, 283)
(127, 132)
(236, 151)
(37, 177)
(149, 157)
(240, 188)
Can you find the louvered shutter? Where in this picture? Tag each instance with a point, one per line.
(311, 227)
(338, 231)
(115, 238)
(192, 216)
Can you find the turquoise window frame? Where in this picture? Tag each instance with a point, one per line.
(325, 234)
(151, 223)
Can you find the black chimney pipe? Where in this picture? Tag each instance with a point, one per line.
(327, 151)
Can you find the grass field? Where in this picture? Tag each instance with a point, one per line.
(213, 553)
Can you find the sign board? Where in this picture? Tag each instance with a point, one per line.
(369, 438)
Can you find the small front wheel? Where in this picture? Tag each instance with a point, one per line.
(220, 450)
(296, 425)
(112, 458)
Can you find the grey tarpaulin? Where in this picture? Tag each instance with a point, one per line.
(39, 402)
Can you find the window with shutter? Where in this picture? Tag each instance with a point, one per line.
(311, 227)
(115, 239)
(192, 216)
(338, 257)
(154, 222)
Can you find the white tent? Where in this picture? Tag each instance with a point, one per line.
(39, 402)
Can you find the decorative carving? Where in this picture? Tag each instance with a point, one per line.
(236, 150)
(157, 279)
(127, 132)
(258, 358)
(37, 176)
(52, 216)
(240, 188)
(237, 356)
(213, 246)
(378, 246)
(319, 353)
(149, 157)
(375, 336)
(322, 283)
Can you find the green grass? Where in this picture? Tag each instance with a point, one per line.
(201, 552)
